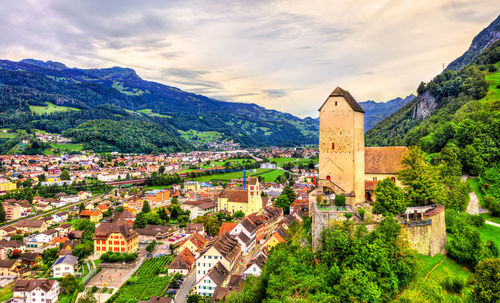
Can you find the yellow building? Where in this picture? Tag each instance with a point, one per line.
(6, 185)
(342, 146)
(248, 201)
(191, 186)
(92, 215)
(115, 237)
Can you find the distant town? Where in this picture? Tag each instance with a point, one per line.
(191, 224)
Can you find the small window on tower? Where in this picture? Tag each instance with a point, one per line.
(333, 146)
(335, 103)
(393, 179)
(328, 178)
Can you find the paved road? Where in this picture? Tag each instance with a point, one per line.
(474, 208)
(492, 223)
(188, 284)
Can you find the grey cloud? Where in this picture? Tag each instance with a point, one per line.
(275, 93)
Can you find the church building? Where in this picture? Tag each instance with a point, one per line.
(248, 200)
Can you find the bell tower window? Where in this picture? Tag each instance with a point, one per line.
(335, 103)
(333, 146)
(328, 178)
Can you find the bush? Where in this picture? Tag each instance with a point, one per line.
(492, 68)
(361, 213)
(493, 205)
(453, 285)
(339, 200)
(94, 289)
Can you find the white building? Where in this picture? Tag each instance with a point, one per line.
(35, 291)
(64, 266)
(215, 277)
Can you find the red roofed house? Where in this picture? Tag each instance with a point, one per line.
(182, 263)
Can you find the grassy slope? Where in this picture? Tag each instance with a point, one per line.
(493, 80)
(490, 232)
(50, 108)
(430, 289)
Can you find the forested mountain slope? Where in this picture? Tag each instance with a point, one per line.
(119, 94)
(456, 107)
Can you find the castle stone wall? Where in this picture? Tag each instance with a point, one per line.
(428, 239)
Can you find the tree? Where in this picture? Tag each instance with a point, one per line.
(145, 207)
(238, 214)
(88, 298)
(485, 281)
(390, 199)
(339, 200)
(119, 209)
(3, 215)
(174, 200)
(212, 225)
(421, 179)
(81, 207)
(50, 254)
(283, 202)
(290, 193)
(140, 221)
(151, 246)
(65, 175)
(161, 170)
(69, 284)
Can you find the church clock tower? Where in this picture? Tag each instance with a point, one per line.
(341, 146)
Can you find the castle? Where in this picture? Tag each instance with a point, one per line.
(348, 168)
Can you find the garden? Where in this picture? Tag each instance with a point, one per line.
(145, 282)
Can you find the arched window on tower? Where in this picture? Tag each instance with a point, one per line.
(335, 103)
(393, 179)
(333, 146)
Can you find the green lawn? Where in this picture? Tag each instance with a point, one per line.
(281, 161)
(431, 290)
(493, 80)
(232, 161)
(155, 187)
(51, 108)
(199, 136)
(67, 146)
(489, 217)
(490, 232)
(4, 135)
(268, 174)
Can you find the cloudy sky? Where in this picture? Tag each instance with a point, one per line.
(285, 55)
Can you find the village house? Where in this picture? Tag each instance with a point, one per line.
(245, 233)
(153, 232)
(31, 226)
(35, 291)
(199, 208)
(182, 263)
(93, 215)
(276, 237)
(226, 250)
(247, 201)
(13, 211)
(195, 243)
(7, 247)
(65, 265)
(208, 282)
(157, 195)
(195, 227)
(116, 237)
(9, 268)
(31, 259)
(255, 266)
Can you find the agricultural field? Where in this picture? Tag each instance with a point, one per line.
(50, 108)
(145, 282)
(431, 272)
(269, 175)
(149, 112)
(6, 293)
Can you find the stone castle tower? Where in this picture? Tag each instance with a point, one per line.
(342, 146)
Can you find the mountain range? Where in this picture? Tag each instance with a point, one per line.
(50, 96)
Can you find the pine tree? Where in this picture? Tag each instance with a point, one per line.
(145, 207)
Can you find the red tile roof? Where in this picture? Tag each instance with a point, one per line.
(384, 160)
